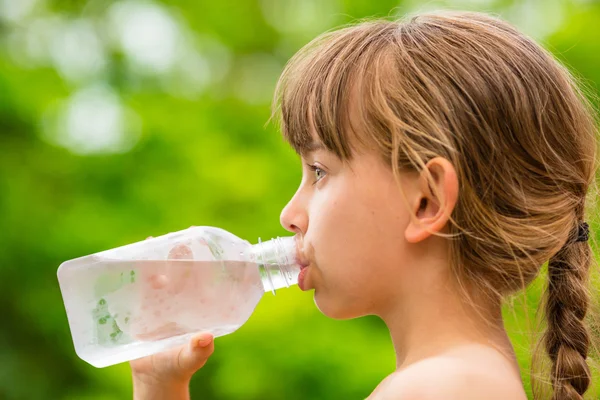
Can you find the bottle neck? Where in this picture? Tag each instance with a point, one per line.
(277, 261)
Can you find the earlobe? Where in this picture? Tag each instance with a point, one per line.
(434, 202)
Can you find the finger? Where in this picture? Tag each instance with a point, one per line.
(167, 330)
(181, 252)
(202, 339)
(157, 281)
(178, 273)
(193, 356)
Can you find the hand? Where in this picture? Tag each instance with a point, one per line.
(163, 285)
(174, 366)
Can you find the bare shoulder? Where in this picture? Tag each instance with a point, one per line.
(472, 375)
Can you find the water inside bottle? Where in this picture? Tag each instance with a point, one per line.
(122, 310)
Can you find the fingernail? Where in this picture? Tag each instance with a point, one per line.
(204, 340)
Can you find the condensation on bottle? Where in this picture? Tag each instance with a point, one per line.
(146, 297)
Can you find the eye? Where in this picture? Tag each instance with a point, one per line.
(319, 172)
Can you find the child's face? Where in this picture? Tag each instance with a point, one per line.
(353, 218)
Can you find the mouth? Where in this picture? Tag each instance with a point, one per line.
(301, 257)
(303, 265)
(302, 277)
(302, 260)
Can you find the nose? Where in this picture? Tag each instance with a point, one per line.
(294, 217)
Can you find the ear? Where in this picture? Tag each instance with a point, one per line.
(431, 204)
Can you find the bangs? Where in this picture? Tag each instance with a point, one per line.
(312, 97)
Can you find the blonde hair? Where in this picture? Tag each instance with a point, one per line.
(472, 89)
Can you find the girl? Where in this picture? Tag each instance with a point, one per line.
(446, 159)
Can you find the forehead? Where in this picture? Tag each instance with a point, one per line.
(312, 146)
(319, 116)
(324, 91)
(336, 133)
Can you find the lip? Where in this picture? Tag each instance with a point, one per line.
(302, 263)
(302, 259)
(302, 279)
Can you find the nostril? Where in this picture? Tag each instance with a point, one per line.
(294, 217)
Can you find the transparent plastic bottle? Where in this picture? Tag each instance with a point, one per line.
(149, 296)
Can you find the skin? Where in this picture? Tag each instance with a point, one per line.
(372, 250)
(167, 375)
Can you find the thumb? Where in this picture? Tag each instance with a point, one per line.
(194, 355)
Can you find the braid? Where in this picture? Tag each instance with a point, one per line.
(567, 338)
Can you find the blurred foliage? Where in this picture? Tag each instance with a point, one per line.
(120, 120)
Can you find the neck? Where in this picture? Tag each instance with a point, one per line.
(442, 321)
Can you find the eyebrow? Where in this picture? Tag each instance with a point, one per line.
(312, 147)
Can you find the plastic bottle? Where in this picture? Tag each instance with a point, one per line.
(149, 296)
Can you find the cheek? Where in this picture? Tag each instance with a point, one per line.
(361, 234)
(346, 245)
(359, 242)
(356, 229)
(335, 232)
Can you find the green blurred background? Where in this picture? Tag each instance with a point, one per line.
(125, 119)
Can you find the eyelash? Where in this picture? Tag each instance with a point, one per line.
(315, 168)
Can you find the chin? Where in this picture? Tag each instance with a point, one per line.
(336, 308)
